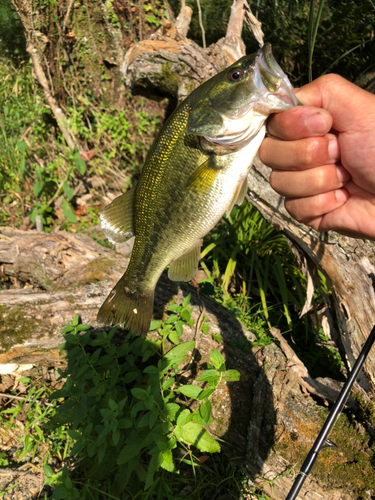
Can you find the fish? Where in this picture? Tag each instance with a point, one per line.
(194, 173)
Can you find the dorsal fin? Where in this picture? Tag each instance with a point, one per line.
(117, 218)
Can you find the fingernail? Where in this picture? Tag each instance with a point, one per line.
(316, 123)
(342, 174)
(340, 195)
(333, 148)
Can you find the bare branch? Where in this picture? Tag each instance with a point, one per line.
(254, 25)
(184, 18)
(201, 24)
(235, 22)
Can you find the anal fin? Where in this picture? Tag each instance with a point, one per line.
(185, 267)
(117, 218)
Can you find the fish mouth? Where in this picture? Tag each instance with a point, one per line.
(276, 86)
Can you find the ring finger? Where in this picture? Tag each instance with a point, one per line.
(315, 181)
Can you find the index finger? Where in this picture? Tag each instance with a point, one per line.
(299, 122)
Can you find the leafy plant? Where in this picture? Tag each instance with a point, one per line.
(127, 407)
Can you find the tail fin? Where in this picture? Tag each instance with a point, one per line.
(134, 308)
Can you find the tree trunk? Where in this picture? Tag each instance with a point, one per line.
(269, 418)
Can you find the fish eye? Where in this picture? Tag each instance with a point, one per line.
(235, 74)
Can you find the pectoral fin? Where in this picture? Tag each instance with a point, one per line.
(239, 195)
(204, 120)
(185, 267)
(204, 176)
(117, 218)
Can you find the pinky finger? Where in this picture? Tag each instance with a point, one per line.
(309, 210)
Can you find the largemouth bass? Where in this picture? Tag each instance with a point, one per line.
(194, 173)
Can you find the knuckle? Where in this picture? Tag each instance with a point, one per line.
(307, 152)
(293, 207)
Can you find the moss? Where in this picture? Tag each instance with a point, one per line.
(96, 270)
(366, 409)
(15, 326)
(350, 467)
(169, 80)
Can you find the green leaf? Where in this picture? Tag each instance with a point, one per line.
(38, 188)
(68, 211)
(68, 190)
(154, 325)
(125, 423)
(186, 300)
(60, 493)
(80, 164)
(48, 472)
(185, 315)
(173, 307)
(172, 318)
(22, 166)
(151, 369)
(112, 404)
(21, 146)
(216, 358)
(196, 435)
(167, 462)
(129, 452)
(153, 416)
(170, 410)
(206, 393)
(168, 383)
(74, 434)
(209, 376)
(91, 449)
(179, 326)
(173, 337)
(150, 402)
(217, 337)
(144, 420)
(191, 391)
(184, 417)
(180, 350)
(204, 412)
(231, 375)
(139, 393)
(205, 328)
(94, 356)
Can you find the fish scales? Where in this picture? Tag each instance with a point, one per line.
(194, 172)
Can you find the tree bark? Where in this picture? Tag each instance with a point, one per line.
(269, 418)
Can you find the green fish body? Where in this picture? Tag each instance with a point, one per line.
(194, 173)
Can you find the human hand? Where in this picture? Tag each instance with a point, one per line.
(322, 157)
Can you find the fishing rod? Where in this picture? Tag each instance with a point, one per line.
(322, 441)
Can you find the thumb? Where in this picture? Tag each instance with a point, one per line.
(352, 108)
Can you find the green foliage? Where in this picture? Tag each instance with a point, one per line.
(252, 270)
(37, 439)
(126, 406)
(344, 39)
(12, 39)
(35, 163)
